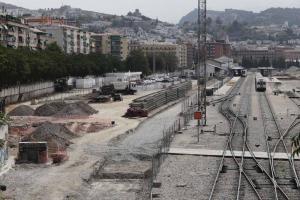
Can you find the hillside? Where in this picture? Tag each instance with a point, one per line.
(267, 17)
(134, 25)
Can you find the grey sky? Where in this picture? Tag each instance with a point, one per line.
(166, 10)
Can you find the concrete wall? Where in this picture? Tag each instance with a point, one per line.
(3, 150)
(3, 132)
(27, 92)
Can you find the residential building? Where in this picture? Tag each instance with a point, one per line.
(181, 53)
(44, 20)
(70, 38)
(190, 55)
(15, 33)
(112, 44)
(102, 43)
(218, 49)
(119, 46)
(157, 47)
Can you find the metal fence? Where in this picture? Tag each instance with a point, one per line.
(187, 114)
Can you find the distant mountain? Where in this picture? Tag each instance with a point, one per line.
(8, 6)
(134, 25)
(267, 17)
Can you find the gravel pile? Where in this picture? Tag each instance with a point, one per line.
(22, 110)
(64, 109)
(50, 132)
(78, 108)
(50, 109)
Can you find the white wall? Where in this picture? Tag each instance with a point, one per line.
(3, 131)
(27, 92)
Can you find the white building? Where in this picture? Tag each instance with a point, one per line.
(71, 39)
(122, 77)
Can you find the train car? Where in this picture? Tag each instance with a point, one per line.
(244, 73)
(260, 83)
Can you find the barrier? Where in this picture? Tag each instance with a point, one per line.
(26, 92)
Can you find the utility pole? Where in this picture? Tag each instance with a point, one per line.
(154, 62)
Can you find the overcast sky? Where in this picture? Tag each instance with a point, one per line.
(166, 10)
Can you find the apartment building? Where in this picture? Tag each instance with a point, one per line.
(70, 38)
(217, 49)
(15, 33)
(190, 54)
(181, 53)
(254, 54)
(157, 47)
(112, 44)
(44, 20)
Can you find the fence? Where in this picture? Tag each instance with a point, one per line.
(188, 108)
(64, 95)
(26, 92)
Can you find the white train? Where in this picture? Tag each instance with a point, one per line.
(260, 83)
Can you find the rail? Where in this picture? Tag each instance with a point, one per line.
(233, 119)
(282, 136)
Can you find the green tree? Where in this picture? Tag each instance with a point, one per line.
(137, 61)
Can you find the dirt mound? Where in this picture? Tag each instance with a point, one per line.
(50, 109)
(22, 110)
(64, 109)
(50, 133)
(78, 108)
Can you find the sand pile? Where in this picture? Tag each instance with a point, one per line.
(22, 110)
(64, 109)
(52, 133)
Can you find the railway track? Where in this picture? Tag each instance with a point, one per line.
(275, 139)
(238, 140)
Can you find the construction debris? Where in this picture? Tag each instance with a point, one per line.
(22, 110)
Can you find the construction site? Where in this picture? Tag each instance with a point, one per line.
(69, 140)
(223, 132)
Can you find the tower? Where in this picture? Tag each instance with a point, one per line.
(202, 58)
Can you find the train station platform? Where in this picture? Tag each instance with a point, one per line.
(219, 153)
(225, 88)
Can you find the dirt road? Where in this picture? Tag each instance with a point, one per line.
(56, 182)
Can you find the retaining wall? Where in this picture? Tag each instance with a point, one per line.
(26, 92)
